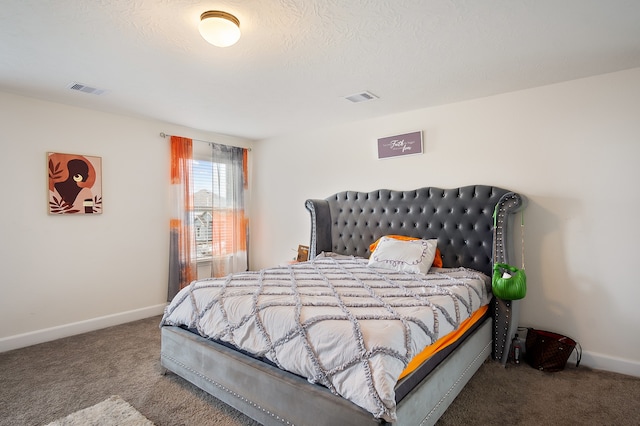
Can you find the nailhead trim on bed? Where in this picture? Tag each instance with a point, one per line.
(225, 389)
(452, 387)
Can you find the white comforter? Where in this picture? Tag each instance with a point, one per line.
(335, 321)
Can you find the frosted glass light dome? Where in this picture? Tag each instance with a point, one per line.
(219, 28)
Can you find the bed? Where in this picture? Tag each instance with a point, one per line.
(471, 226)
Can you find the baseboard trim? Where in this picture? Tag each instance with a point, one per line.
(593, 360)
(66, 330)
(608, 363)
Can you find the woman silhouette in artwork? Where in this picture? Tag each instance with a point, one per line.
(69, 189)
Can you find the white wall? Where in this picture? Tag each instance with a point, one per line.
(67, 274)
(572, 149)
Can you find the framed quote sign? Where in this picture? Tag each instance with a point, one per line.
(400, 145)
(75, 184)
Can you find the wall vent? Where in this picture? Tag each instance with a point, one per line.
(361, 97)
(85, 89)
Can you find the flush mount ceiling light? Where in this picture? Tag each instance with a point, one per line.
(219, 28)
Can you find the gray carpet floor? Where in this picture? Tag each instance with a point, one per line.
(42, 383)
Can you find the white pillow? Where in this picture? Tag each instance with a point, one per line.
(415, 256)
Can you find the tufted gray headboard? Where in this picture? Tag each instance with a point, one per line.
(462, 219)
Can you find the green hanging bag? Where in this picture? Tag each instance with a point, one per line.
(509, 282)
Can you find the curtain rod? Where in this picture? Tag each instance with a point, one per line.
(165, 135)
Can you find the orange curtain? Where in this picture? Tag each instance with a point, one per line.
(182, 260)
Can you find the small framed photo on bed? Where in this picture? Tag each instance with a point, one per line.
(400, 145)
(75, 184)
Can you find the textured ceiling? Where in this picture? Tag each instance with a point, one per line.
(297, 59)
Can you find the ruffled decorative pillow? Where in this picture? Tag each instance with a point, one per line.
(437, 260)
(413, 256)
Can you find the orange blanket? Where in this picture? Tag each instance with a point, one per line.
(443, 342)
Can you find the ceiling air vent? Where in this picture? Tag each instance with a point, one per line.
(86, 89)
(361, 97)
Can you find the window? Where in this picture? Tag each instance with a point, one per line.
(218, 219)
(209, 184)
(209, 197)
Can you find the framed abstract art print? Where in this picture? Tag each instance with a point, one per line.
(75, 184)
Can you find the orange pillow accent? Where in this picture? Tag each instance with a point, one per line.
(437, 261)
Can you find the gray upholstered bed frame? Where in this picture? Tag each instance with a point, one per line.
(462, 219)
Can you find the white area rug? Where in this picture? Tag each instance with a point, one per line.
(114, 411)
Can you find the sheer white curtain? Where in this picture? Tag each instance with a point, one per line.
(221, 193)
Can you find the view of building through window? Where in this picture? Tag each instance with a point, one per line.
(212, 212)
